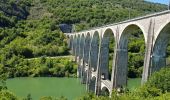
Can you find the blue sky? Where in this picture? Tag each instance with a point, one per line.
(160, 1)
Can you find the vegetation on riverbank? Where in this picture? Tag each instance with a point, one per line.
(30, 28)
(157, 88)
(40, 67)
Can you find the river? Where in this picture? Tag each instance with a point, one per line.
(70, 88)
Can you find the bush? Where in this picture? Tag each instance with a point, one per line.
(160, 80)
(7, 95)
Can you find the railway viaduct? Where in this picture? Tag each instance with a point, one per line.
(91, 51)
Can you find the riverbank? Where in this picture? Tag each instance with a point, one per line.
(41, 67)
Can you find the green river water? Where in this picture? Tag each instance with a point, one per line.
(38, 87)
(71, 88)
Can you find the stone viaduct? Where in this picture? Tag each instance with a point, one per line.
(91, 51)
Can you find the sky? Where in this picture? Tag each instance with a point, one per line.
(160, 1)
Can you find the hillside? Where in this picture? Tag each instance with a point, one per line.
(30, 38)
(91, 13)
(11, 11)
(30, 28)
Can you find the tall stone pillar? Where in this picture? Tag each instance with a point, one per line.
(120, 68)
(148, 53)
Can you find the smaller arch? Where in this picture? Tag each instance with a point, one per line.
(87, 47)
(82, 44)
(96, 33)
(123, 41)
(87, 35)
(108, 32)
(105, 91)
(106, 53)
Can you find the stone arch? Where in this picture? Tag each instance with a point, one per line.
(159, 49)
(104, 53)
(123, 41)
(94, 49)
(108, 32)
(121, 70)
(87, 47)
(105, 91)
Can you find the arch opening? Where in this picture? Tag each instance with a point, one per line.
(131, 52)
(107, 52)
(94, 51)
(161, 50)
(87, 47)
(81, 46)
(105, 91)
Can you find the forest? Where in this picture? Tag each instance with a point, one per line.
(30, 29)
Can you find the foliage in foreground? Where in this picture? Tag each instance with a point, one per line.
(157, 88)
